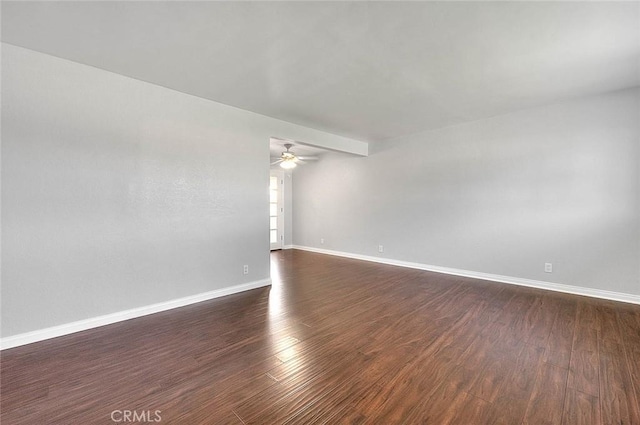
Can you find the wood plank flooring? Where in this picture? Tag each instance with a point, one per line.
(339, 341)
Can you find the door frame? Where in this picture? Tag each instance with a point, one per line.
(279, 174)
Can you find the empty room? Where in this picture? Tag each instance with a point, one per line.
(239, 212)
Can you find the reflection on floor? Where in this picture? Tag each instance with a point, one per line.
(338, 341)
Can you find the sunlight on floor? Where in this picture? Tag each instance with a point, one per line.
(275, 294)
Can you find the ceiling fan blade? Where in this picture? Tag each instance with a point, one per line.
(308, 158)
(277, 162)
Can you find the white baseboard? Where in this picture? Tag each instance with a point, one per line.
(287, 247)
(94, 322)
(558, 287)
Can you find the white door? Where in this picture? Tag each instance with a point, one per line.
(276, 209)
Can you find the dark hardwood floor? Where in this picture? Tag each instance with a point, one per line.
(340, 341)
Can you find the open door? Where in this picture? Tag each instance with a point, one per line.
(276, 209)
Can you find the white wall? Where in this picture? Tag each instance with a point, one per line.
(501, 196)
(118, 194)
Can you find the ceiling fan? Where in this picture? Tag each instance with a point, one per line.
(290, 160)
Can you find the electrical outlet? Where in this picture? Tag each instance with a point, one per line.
(548, 267)
(321, 241)
(380, 248)
(245, 269)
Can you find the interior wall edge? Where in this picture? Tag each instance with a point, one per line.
(95, 322)
(550, 286)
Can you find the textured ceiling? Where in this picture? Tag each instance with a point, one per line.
(368, 70)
